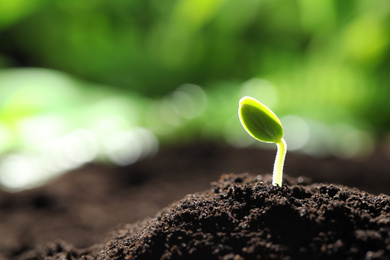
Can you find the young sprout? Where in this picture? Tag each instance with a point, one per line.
(262, 124)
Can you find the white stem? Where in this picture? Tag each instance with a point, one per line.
(279, 162)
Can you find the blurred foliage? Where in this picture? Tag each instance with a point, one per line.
(86, 80)
(326, 59)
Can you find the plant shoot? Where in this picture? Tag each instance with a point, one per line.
(262, 124)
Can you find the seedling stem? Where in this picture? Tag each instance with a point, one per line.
(279, 162)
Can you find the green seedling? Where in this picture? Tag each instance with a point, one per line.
(262, 124)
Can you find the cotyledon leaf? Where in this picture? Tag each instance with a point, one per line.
(259, 121)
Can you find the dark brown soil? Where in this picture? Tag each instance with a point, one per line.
(245, 217)
(239, 217)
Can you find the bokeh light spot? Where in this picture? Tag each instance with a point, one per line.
(189, 101)
(296, 132)
(261, 90)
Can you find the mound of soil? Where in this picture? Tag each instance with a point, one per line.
(70, 217)
(245, 217)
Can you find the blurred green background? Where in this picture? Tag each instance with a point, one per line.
(115, 80)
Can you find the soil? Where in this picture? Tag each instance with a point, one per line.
(106, 212)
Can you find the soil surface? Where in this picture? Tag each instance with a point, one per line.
(89, 213)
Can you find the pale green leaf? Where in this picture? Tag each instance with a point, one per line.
(259, 121)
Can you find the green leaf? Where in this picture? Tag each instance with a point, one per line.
(259, 121)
